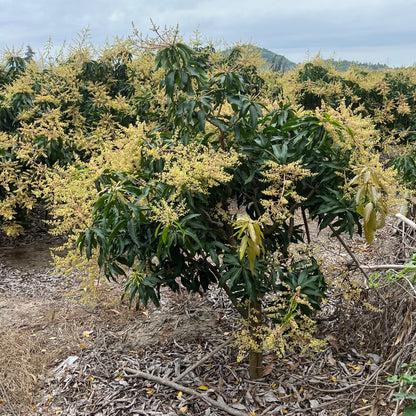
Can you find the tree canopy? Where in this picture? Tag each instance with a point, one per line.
(170, 165)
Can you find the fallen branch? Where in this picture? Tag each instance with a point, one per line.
(205, 358)
(136, 373)
(388, 266)
(361, 409)
(406, 220)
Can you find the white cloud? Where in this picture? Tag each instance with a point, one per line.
(377, 30)
(116, 16)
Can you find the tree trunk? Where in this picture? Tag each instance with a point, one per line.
(255, 322)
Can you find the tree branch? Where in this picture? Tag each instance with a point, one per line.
(305, 223)
(140, 374)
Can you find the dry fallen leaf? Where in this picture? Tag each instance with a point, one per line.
(293, 367)
(333, 342)
(268, 369)
(331, 360)
(220, 384)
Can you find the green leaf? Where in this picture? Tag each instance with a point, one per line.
(214, 256)
(250, 289)
(231, 259)
(232, 274)
(251, 177)
(190, 233)
(254, 116)
(201, 119)
(218, 123)
(243, 246)
(133, 232)
(370, 222)
(158, 60)
(251, 255)
(100, 203)
(165, 233)
(120, 225)
(409, 411)
(170, 83)
(234, 277)
(157, 229)
(89, 243)
(367, 211)
(252, 232)
(81, 241)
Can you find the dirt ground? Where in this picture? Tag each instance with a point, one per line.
(61, 358)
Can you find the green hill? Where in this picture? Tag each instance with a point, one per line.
(280, 63)
(343, 65)
(277, 62)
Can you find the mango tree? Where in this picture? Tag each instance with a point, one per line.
(213, 195)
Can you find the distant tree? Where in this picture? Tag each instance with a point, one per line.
(29, 54)
(279, 64)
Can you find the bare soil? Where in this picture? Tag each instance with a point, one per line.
(58, 357)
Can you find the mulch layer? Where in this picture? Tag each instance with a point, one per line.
(180, 359)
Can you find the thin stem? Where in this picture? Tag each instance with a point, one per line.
(305, 223)
(367, 277)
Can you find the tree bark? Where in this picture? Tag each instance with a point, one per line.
(255, 322)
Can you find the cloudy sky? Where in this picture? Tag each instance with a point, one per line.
(377, 31)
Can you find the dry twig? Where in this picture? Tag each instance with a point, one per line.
(7, 398)
(352, 255)
(205, 358)
(367, 277)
